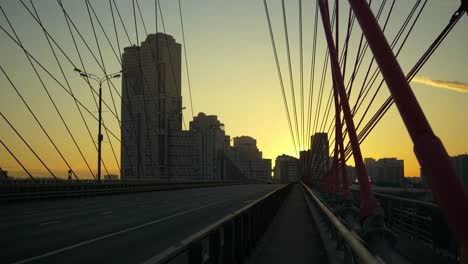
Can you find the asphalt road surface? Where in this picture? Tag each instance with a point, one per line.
(126, 228)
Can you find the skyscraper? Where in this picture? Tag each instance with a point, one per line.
(151, 105)
(386, 171)
(248, 159)
(319, 154)
(286, 169)
(209, 133)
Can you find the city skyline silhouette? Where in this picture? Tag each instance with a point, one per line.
(232, 76)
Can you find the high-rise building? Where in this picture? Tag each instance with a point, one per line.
(209, 134)
(319, 151)
(151, 106)
(371, 168)
(184, 156)
(389, 172)
(352, 174)
(202, 153)
(248, 159)
(286, 169)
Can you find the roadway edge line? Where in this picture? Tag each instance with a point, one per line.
(115, 233)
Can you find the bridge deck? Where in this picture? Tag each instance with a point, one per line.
(292, 236)
(117, 228)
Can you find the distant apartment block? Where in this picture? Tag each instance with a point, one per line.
(286, 169)
(386, 171)
(202, 153)
(245, 154)
(371, 167)
(351, 173)
(154, 146)
(208, 133)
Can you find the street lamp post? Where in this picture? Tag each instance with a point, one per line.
(99, 81)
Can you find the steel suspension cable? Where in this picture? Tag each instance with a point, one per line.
(64, 76)
(27, 144)
(377, 72)
(54, 78)
(371, 63)
(105, 73)
(36, 119)
(122, 23)
(117, 56)
(168, 49)
(278, 68)
(145, 106)
(301, 70)
(393, 44)
(93, 92)
(424, 58)
(17, 160)
(323, 77)
(68, 18)
(360, 55)
(50, 96)
(115, 30)
(312, 77)
(361, 52)
(186, 60)
(291, 77)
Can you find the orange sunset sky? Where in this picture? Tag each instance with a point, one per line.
(232, 72)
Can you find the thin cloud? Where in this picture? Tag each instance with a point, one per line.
(451, 85)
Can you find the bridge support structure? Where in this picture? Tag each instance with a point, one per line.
(371, 215)
(429, 150)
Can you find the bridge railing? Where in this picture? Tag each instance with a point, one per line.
(416, 220)
(31, 190)
(13, 182)
(355, 249)
(228, 240)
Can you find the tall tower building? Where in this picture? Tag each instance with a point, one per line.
(209, 134)
(319, 154)
(151, 105)
(248, 159)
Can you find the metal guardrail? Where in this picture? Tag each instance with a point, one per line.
(35, 192)
(347, 240)
(230, 239)
(88, 181)
(417, 220)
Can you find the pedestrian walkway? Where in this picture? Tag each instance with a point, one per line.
(292, 236)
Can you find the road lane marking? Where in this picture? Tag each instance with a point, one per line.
(49, 223)
(116, 233)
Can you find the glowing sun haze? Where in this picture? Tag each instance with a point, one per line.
(232, 73)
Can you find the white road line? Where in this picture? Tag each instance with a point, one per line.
(49, 223)
(107, 212)
(115, 233)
